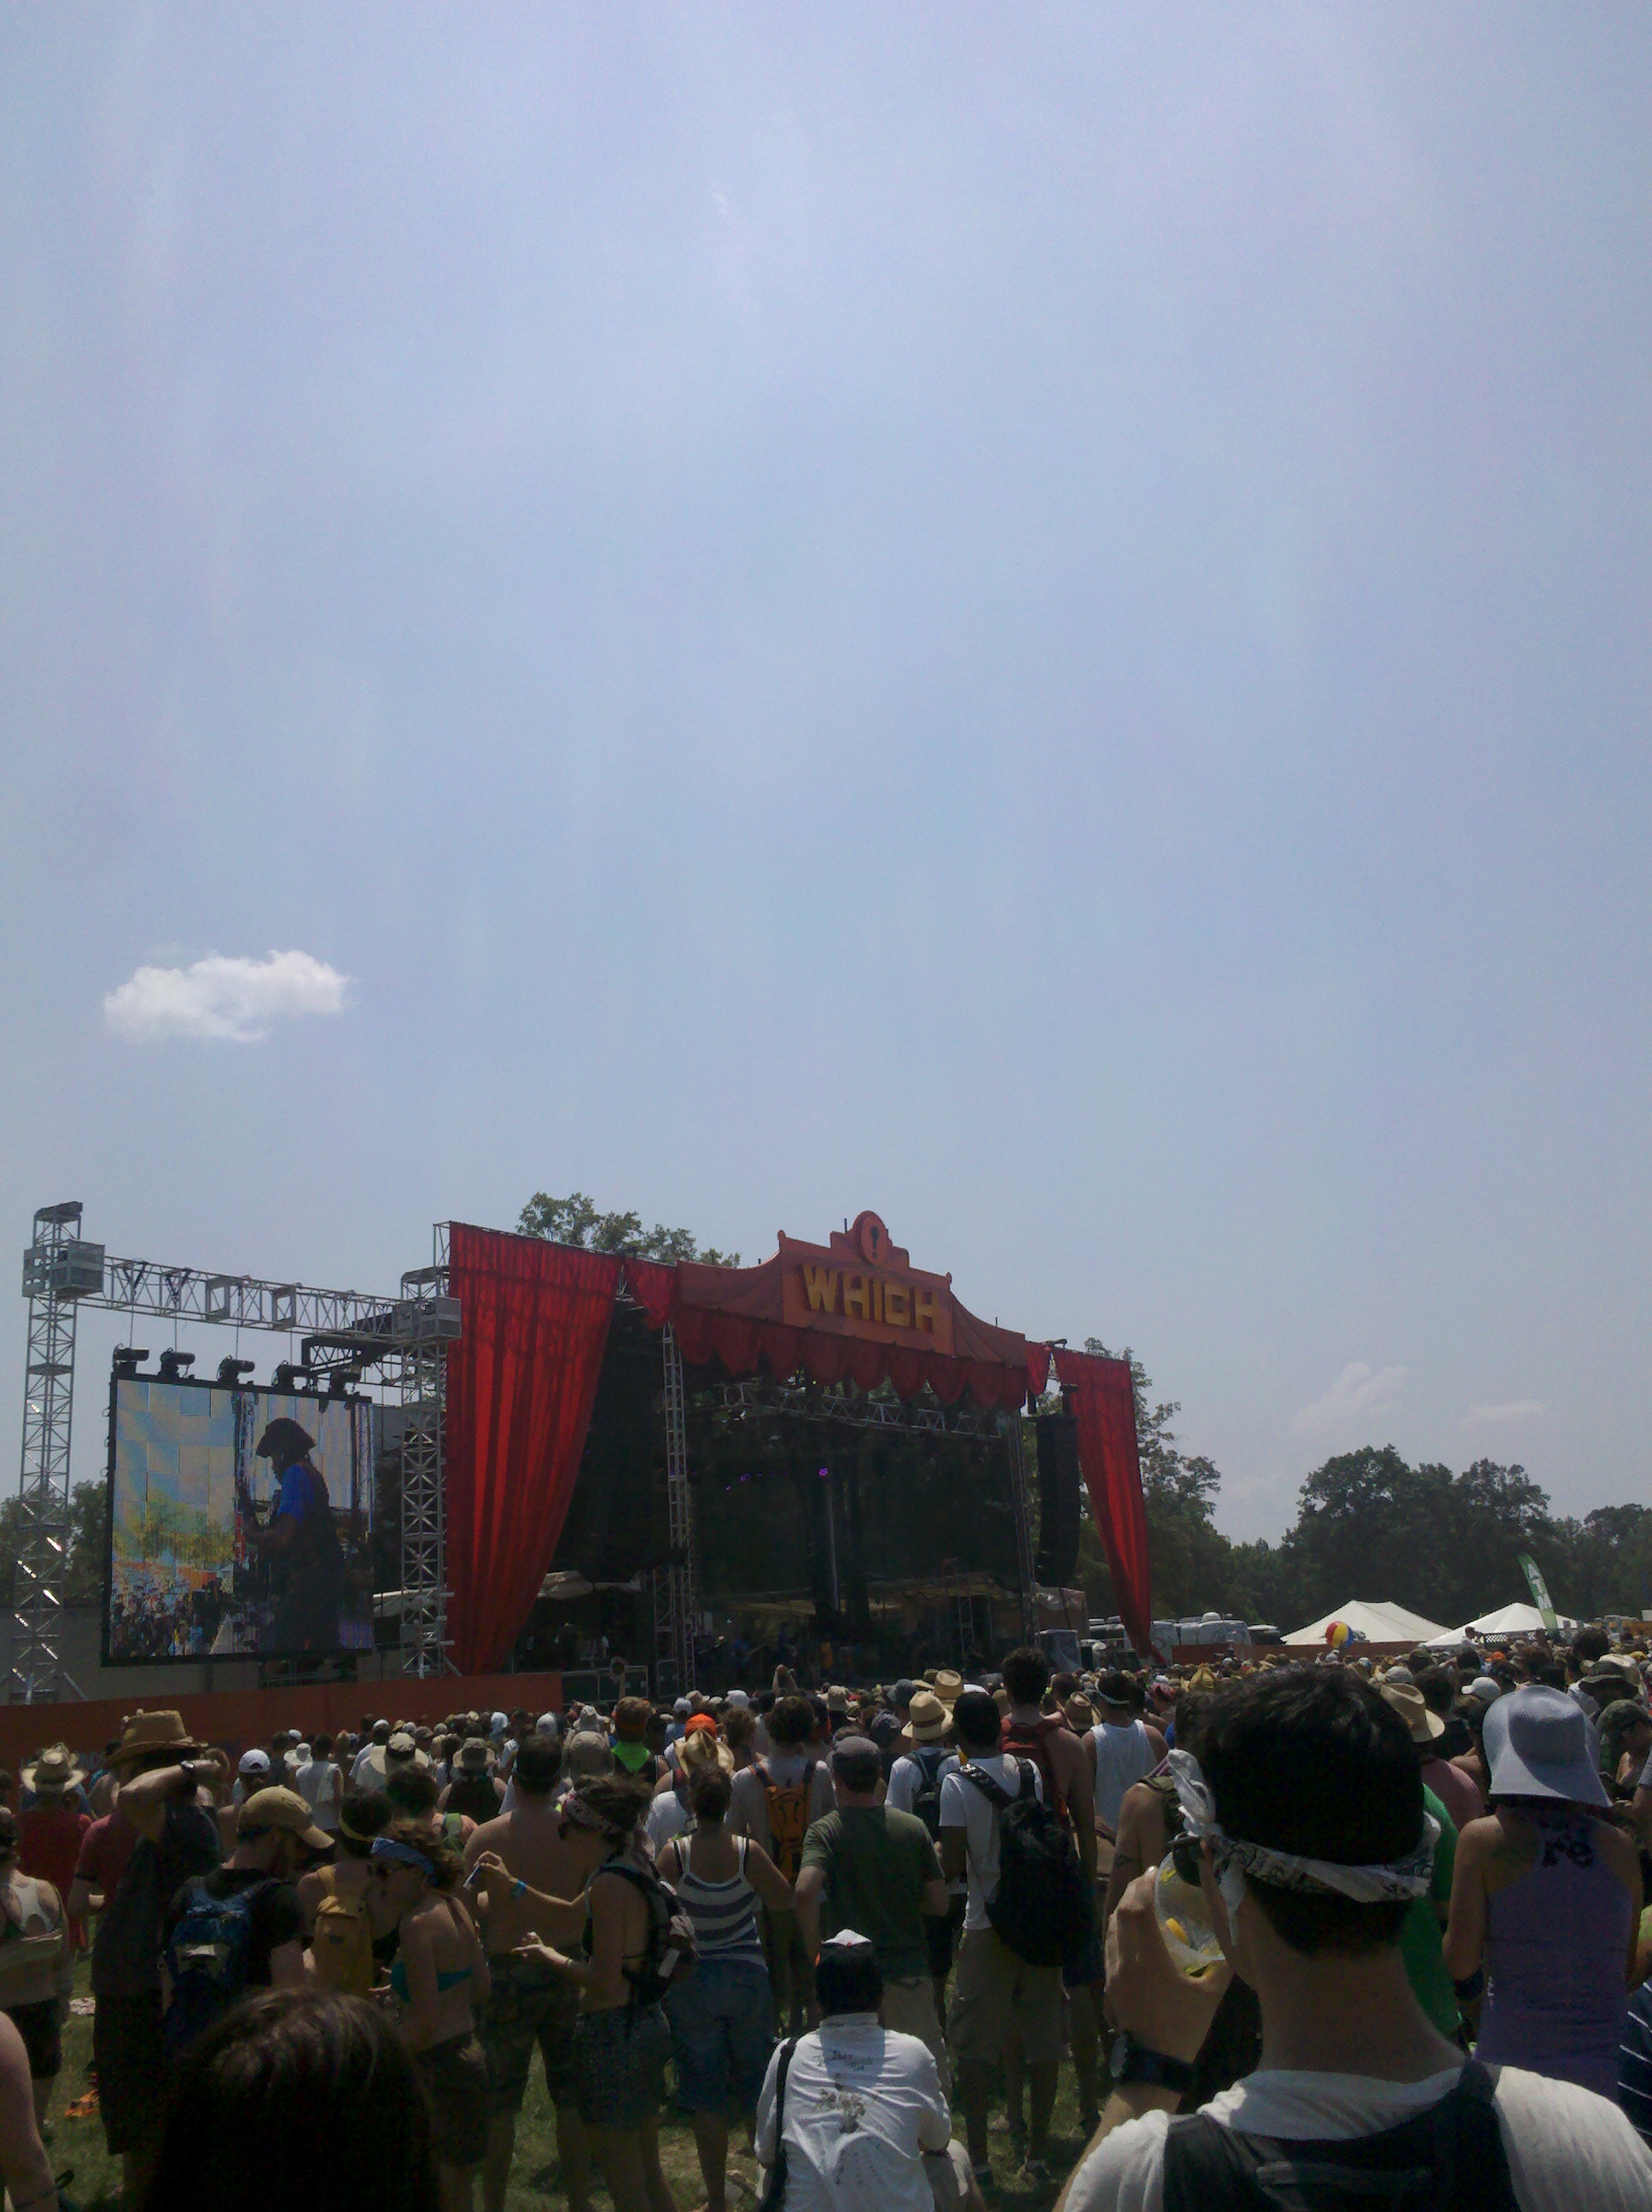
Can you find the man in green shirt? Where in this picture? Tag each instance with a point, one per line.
(875, 1869)
(1420, 1933)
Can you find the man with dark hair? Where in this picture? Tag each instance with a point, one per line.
(872, 1868)
(1068, 1784)
(994, 1991)
(524, 1850)
(857, 2108)
(1307, 1800)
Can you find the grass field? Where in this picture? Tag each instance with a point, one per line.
(535, 2175)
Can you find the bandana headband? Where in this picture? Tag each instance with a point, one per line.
(1389, 1883)
(582, 1815)
(390, 1847)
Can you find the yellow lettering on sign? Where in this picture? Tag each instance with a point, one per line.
(821, 1284)
(923, 1308)
(897, 1306)
(857, 1297)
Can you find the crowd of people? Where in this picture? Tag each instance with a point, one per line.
(1369, 1929)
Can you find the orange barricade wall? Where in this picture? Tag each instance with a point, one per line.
(237, 1719)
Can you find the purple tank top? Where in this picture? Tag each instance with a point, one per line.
(1557, 1941)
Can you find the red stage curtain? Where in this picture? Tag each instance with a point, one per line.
(1105, 1406)
(520, 1383)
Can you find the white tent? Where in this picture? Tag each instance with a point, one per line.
(1508, 1620)
(1387, 1623)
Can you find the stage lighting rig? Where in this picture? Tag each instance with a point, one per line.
(173, 1364)
(230, 1373)
(342, 1380)
(288, 1378)
(128, 1360)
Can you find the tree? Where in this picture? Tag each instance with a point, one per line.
(576, 1220)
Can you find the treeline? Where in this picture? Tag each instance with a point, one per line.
(1370, 1526)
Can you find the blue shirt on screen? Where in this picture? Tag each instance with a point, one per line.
(296, 1492)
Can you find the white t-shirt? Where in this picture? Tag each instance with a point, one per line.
(668, 1816)
(748, 1811)
(963, 1806)
(317, 1787)
(368, 1772)
(906, 1779)
(862, 2104)
(1566, 2147)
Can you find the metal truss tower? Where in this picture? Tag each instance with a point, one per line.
(424, 1515)
(57, 1270)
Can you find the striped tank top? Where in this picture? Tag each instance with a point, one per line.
(723, 1913)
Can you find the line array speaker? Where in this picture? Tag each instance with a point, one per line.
(1060, 1508)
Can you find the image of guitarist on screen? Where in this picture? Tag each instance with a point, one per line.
(299, 1546)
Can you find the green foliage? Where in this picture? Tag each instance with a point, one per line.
(576, 1220)
(1370, 1526)
(88, 1544)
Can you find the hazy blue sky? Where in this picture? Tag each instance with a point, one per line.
(1033, 618)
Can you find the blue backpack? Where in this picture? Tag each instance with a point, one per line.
(207, 1956)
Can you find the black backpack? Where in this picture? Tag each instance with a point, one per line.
(1449, 2158)
(1040, 1911)
(927, 1798)
(672, 1949)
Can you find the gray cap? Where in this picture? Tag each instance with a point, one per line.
(1487, 1689)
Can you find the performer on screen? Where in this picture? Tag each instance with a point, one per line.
(306, 1569)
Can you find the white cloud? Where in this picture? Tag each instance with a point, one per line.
(1358, 1389)
(235, 1000)
(1517, 1409)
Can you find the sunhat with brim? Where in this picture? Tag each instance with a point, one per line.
(1537, 1745)
(927, 1720)
(705, 1747)
(1425, 1727)
(145, 1734)
(55, 1769)
(1622, 1713)
(586, 1753)
(948, 1686)
(474, 1755)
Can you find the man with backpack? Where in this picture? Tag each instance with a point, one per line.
(1025, 1910)
(1307, 1800)
(774, 1800)
(1064, 1772)
(240, 1927)
(914, 1787)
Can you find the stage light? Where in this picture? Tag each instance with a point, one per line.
(230, 1371)
(343, 1379)
(128, 1360)
(172, 1364)
(288, 1377)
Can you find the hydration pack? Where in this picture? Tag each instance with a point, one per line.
(672, 1948)
(788, 1817)
(207, 1955)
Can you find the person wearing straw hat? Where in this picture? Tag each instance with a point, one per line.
(138, 1857)
(51, 1830)
(914, 1786)
(1546, 1895)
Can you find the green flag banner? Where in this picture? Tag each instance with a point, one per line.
(1540, 1590)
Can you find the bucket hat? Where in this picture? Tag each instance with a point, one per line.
(1537, 1745)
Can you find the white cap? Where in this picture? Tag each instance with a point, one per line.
(738, 1698)
(846, 1939)
(546, 1724)
(499, 1724)
(255, 1762)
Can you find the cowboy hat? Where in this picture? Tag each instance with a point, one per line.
(55, 1769)
(948, 1686)
(703, 1748)
(284, 1436)
(144, 1734)
(1407, 1701)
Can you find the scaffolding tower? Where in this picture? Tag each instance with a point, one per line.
(424, 1516)
(58, 1270)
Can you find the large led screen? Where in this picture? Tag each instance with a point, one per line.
(220, 1550)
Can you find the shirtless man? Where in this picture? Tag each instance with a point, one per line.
(525, 1847)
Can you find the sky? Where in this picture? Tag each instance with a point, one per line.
(1033, 619)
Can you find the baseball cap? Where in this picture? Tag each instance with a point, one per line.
(254, 1762)
(284, 1809)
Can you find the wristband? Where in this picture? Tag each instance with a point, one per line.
(518, 1887)
(1129, 2061)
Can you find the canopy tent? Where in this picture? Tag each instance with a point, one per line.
(1507, 1620)
(1386, 1623)
(522, 1378)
